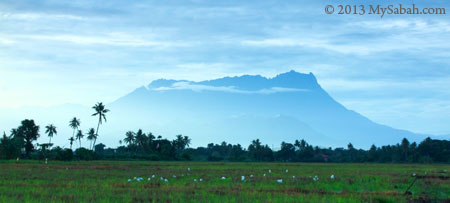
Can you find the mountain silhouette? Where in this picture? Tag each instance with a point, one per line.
(239, 109)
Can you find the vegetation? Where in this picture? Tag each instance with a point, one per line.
(146, 146)
(231, 173)
(100, 111)
(113, 181)
(51, 131)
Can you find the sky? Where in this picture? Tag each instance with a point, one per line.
(392, 69)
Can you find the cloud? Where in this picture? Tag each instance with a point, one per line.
(364, 38)
(109, 39)
(40, 16)
(231, 89)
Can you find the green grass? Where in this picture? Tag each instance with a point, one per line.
(107, 181)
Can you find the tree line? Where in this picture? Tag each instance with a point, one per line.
(139, 145)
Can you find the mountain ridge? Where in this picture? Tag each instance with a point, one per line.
(291, 94)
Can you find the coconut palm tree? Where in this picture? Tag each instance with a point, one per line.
(80, 136)
(91, 136)
(100, 110)
(51, 131)
(140, 138)
(71, 139)
(74, 124)
(129, 137)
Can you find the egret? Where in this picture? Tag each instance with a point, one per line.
(316, 178)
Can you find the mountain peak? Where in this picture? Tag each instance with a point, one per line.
(291, 79)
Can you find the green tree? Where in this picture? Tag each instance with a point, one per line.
(9, 147)
(71, 139)
(51, 131)
(91, 136)
(405, 149)
(140, 138)
(29, 132)
(74, 124)
(129, 138)
(100, 111)
(80, 136)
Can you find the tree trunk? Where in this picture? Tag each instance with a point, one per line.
(96, 133)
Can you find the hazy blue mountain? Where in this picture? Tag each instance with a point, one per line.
(238, 109)
(287, 107)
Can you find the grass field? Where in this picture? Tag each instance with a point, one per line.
(108, 181)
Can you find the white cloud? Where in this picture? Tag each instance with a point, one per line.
(232, 89)
(111, 39)
(415, 25)
(39, 16)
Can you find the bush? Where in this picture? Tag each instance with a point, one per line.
(84, 154)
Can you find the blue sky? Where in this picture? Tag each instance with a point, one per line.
(394, 70)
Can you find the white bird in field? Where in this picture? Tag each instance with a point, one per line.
(332, 176)
(223, 178)
(148, 179)
(189, 169)
(270, 171)
(195, 180)
(287, 170)
(242, 178)
(174, 176)
(316, 178)
(153, 176)
(165, 180)
(135, 178)
(251, 176)
(129, 180)
(264, 175)
(201, 180)
(161, 178)
(414, 174)
(293, 177)
(280, 180)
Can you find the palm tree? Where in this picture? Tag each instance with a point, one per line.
(140, 138)
(74, 124)
(80, 136)
(129, 137)
(71, 142)
(91, 136)
(50, 130)
(100, 110)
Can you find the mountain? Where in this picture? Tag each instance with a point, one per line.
(239, 109)
(289, 106)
